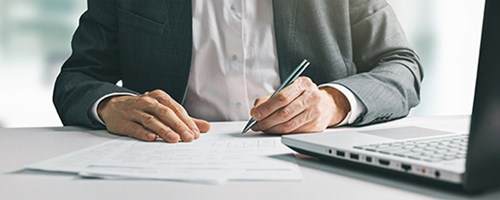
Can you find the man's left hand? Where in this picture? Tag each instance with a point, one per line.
(300, 107)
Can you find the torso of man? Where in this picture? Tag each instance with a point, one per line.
(234, 58)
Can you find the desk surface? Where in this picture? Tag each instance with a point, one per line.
(22, 146)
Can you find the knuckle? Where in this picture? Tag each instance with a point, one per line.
(161, 94)
(264, 111)
(157, 92)
(258, 100)
(163, 112)
(308, 83)
(303, 79)
(281, 98)
(171, 103)
(161, 131)
(253, 111)
(315, 96)
(308, 80)
(177, 109)
(178, 125)
(145, 100)
(285, 112)
(148, 120)
(259, 109)
(302, 104)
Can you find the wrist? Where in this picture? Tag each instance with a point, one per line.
(338, 103)
(103, 106)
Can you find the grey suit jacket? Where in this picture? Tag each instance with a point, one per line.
(148, 44)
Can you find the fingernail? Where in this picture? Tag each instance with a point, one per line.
(152, 137)
(187, 135)
(172, 137)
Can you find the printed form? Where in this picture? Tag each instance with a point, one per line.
(213, 159)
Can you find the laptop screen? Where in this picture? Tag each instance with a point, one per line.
(483, 156)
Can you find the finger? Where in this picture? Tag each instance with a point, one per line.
(166, 116)
(151, 123)
(177, 125)
(306, 100)
(281, 99)
(137, 131)
(260, 100)
(311, 127)
(291, 125)
(181, 113)
(203, 125)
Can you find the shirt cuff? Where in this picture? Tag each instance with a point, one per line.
(96, 104)
(357, 107)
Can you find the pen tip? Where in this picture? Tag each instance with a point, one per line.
(249, 125)
(245, 130)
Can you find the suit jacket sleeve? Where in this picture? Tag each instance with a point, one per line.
(389, 72)
(92, 70)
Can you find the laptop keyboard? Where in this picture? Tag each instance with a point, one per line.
(431, 150)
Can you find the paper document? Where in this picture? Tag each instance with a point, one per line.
(211, 159)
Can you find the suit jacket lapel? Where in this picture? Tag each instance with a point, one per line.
(179, 37)
(285, 12)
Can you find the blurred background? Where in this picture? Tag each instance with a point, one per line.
(35, 40)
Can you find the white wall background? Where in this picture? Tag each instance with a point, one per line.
(446, 34)
(35, 39)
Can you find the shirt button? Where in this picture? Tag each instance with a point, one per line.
(233, 7)
(238, 105)
(235, 57)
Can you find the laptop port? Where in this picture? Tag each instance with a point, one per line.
(437, 174)
(406, 167)
(354, 156)
(329, 151)
(340, 153)
(368, 159)
(383, 162)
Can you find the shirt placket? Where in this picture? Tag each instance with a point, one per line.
(236, 58)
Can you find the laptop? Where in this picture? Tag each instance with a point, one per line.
(470, 161)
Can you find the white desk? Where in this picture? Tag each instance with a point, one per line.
(22, 146)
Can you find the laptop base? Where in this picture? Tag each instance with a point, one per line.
(383, 173)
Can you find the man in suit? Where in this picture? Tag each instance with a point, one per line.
(182, 62)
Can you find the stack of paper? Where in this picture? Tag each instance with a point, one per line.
(212, 159)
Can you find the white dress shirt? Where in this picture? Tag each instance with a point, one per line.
(234, 58)
(235, 61)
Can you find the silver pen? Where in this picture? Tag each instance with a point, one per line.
(291, 78)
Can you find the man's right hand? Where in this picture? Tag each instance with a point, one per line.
(150, 115)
